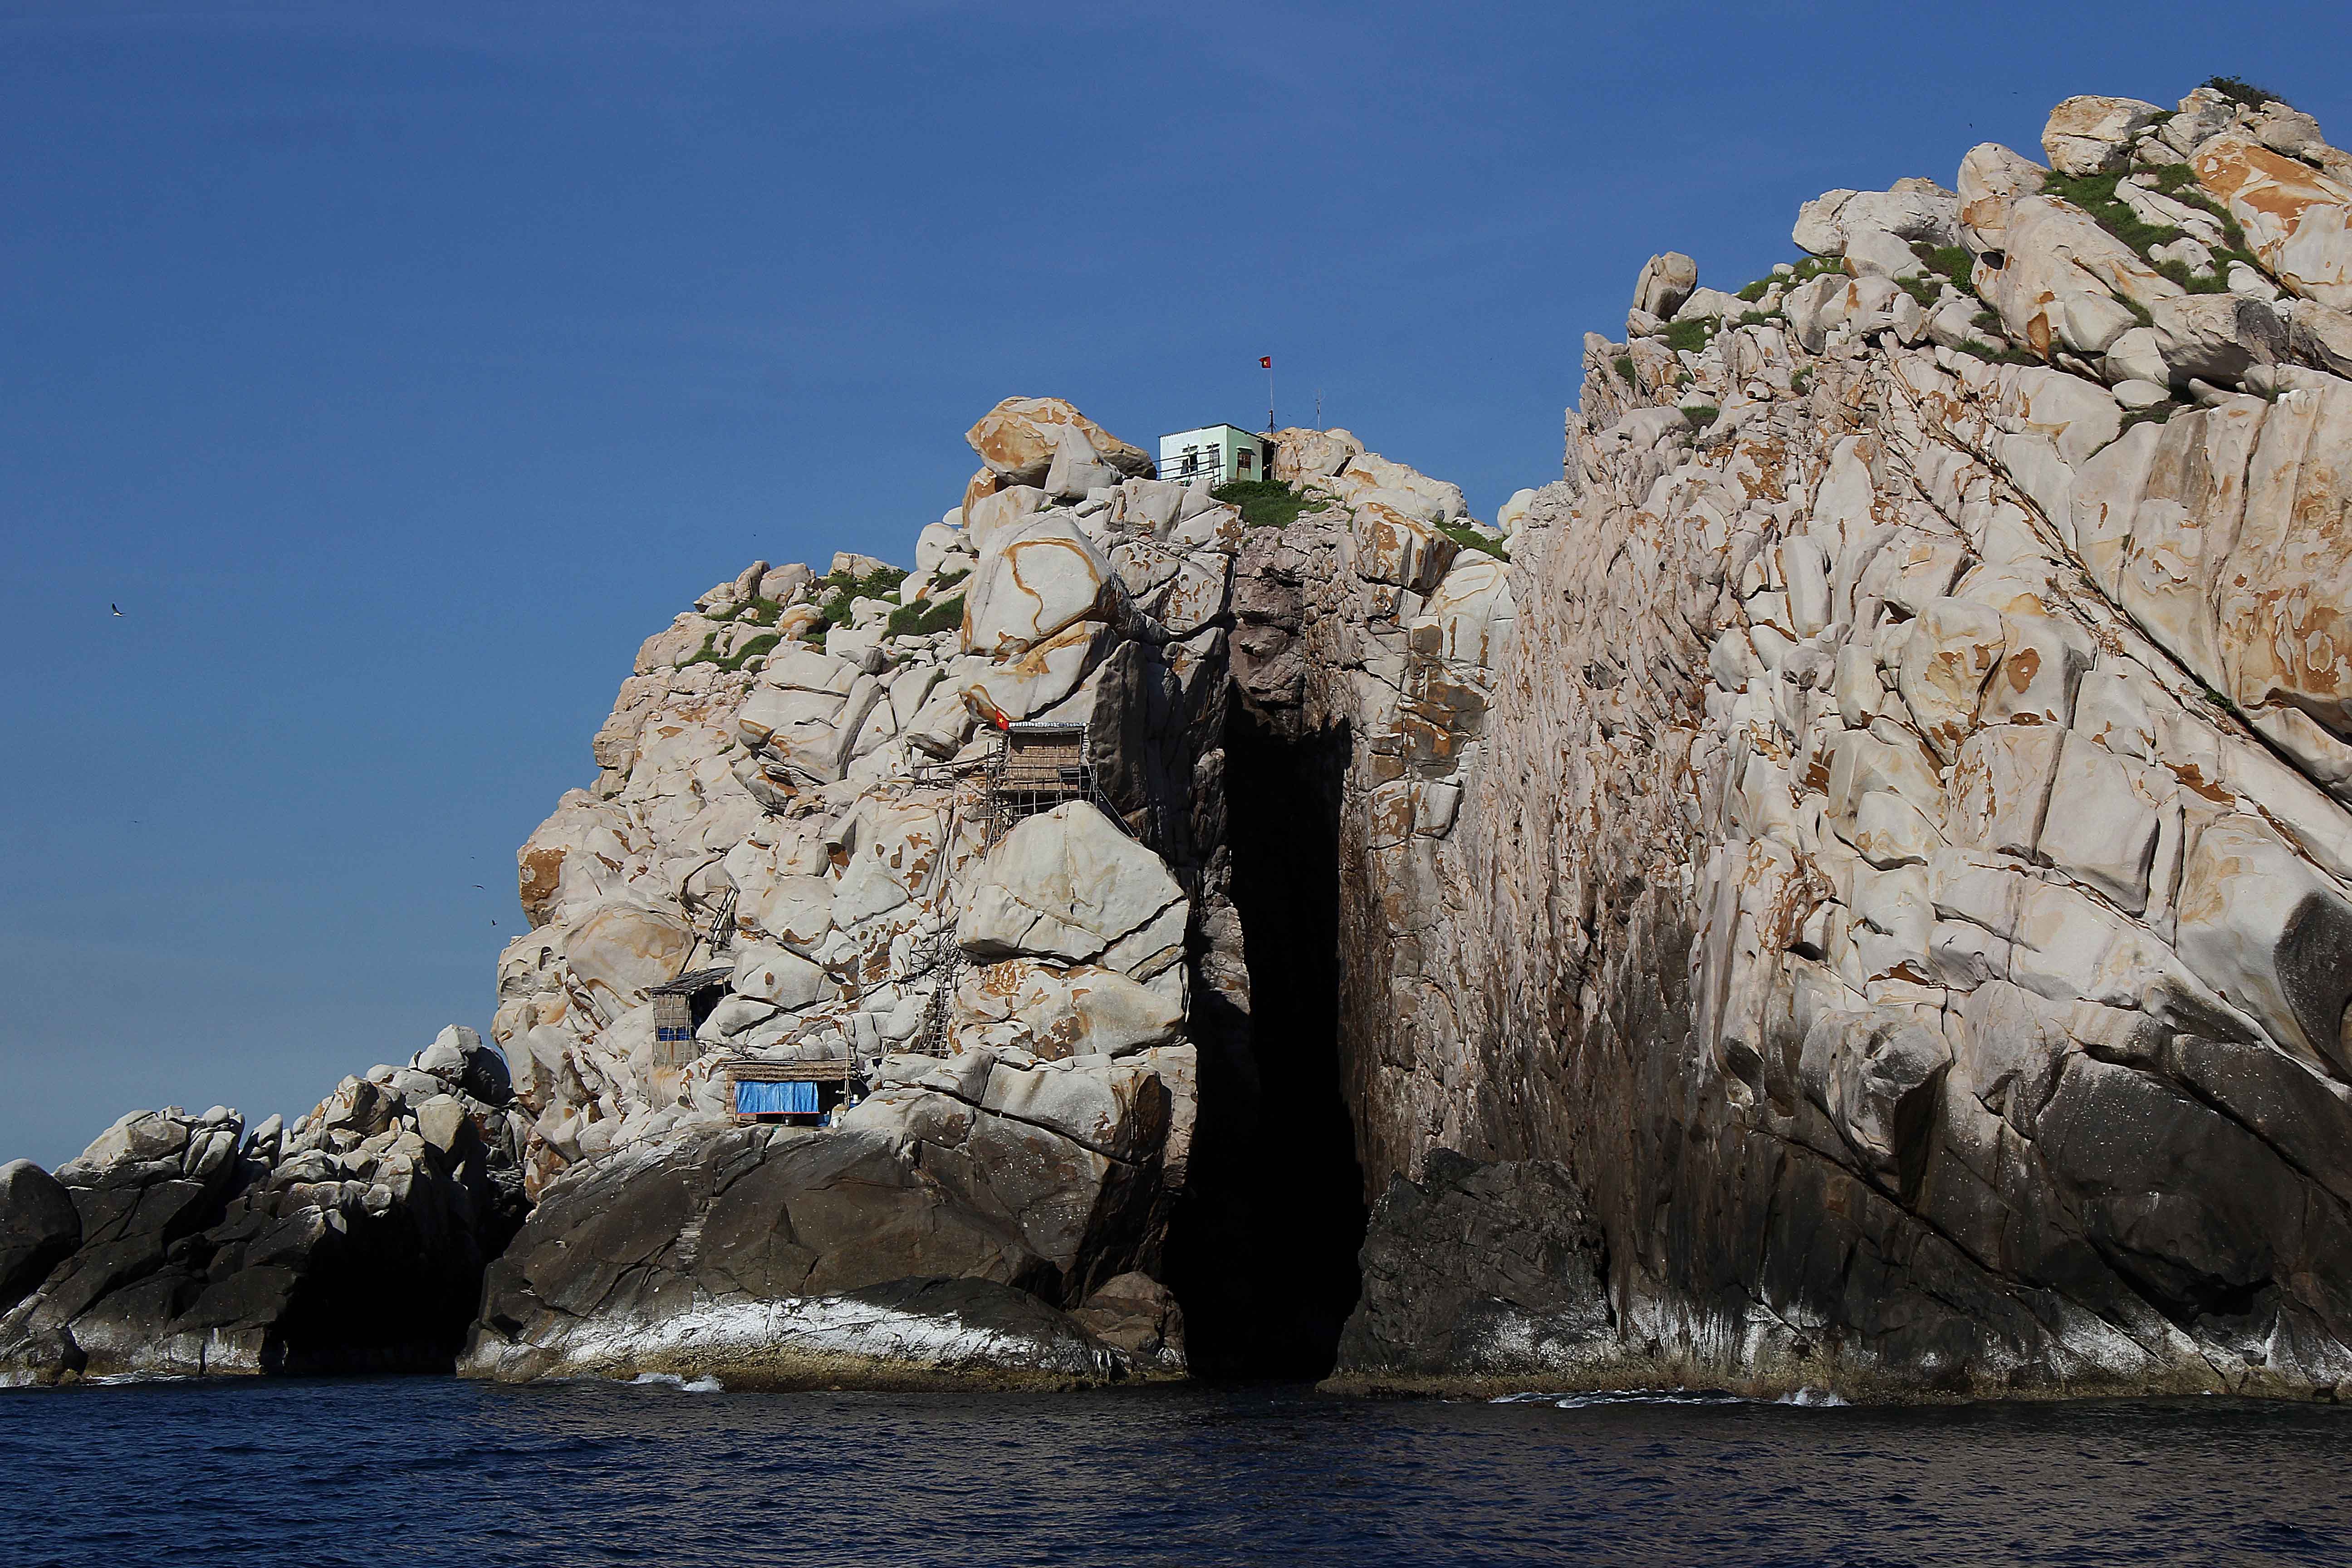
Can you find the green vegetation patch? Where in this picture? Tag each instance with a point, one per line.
(837, 591)
(926, 617)
(2096, 194)
(2155, 416)
(1624, 365)
(2244, 93)
(1927, 290)
(1690, 336)
(1471, 539)
(758, 611)
(756, 647)
(1949, 261)
(1807, 269)
(1985, 351)
(1700, 414)
(1265, 503)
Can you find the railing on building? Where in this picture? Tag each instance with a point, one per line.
(1196, 468)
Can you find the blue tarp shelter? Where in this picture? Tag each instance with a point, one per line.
(775, 1098)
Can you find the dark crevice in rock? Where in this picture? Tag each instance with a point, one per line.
(1263, 1252)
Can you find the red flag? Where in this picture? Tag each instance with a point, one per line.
(1265, 362)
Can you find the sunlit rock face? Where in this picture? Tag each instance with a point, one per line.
(795, 795)
(1849, 887)
(1904, 876)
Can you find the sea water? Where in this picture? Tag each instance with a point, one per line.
(419, 1470)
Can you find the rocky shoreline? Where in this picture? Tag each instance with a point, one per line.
(1850, 889)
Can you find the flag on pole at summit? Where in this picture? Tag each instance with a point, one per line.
(1266, 360)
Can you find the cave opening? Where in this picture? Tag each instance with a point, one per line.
(1263, 1256)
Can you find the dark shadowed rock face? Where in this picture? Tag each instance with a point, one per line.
(775, 1257)
(1478, 1272)
(39, 1226)
(186, 1246)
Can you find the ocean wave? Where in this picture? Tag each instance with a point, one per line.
(1819, 1397)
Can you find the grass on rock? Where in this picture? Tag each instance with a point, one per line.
(757, 648)
(1265, 503)
(838, 590)
(2012, 355)
(2096, 194)
(1689, 337)
(1469, 538)
(926, 617)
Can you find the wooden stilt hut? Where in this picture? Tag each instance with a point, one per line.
(791, 1093)
(679, 1008)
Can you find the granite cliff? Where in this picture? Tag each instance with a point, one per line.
(1077, 1154)
(1850, 888)
(1905, 884)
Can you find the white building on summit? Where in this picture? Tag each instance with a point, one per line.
(1216, 454)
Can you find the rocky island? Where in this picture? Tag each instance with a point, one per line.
(1849, 887)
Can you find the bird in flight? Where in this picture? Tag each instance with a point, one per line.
(479, 885)
(115, 607)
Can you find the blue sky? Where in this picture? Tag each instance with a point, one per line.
(397, 369)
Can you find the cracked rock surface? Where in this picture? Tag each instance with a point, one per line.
(1906, 878)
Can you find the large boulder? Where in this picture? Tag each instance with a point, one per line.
(458, 1058)
(940, 1234)
(1394, 547)
(38, 1228)
(1663, 283)
(1053, 1012)
(806, 711)
(2093, 135)
(1912, 209)
(2297, 220)
(1069, 885)
(1301, 454)
(1042, 676)
(1370, 477)
(1019, 437)
(620, 950)
(1033, 580)
(1991, 177)
(2060, 277)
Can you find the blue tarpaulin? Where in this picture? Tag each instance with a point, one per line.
(774, 1099)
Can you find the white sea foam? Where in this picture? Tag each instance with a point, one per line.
(684, 1385)
(1804, 1396)
(814, 1325)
